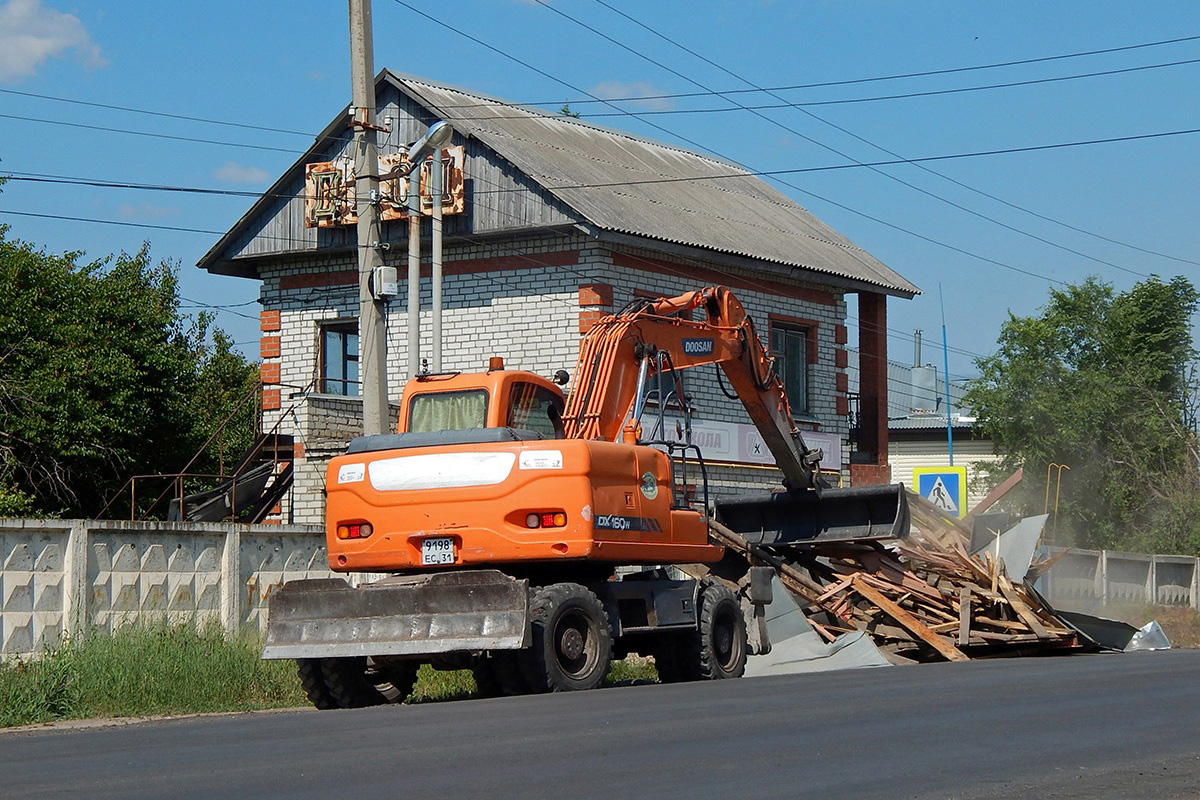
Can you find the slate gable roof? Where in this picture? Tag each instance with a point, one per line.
(624, 184)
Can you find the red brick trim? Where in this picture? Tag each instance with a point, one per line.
(811, 325)
(587, 319)
(269, 373)
(870, 474)
(269, 347)
(298, 450)
(839, 358)
(839, 334)
(842, 404)
(841, 382)
(596, 294)
(269, 321)
(271, 400)
(562, 258)
(699, 276)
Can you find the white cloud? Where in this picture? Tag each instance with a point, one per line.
(613, 89)
(233, 172)
(145, 212)
(31, 33)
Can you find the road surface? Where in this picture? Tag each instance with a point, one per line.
(1110, 726)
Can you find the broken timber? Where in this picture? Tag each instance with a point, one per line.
(922, 599)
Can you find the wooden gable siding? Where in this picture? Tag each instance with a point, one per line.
(499, 196)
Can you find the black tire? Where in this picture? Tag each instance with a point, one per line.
(357, 683)
(572, 643)
(721, 635)
(715, 650)
(312, 680)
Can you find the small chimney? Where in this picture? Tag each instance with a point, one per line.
(916, 348)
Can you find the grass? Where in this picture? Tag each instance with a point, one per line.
(147, 670)
(142, 671)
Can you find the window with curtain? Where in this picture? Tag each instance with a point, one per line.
(448, 411)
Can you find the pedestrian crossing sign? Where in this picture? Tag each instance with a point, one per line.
(945, 487)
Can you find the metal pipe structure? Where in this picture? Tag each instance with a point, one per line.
(414, 269)
(435, 197)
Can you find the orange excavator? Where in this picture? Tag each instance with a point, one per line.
(527, 535)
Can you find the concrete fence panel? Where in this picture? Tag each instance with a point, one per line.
(60, 576)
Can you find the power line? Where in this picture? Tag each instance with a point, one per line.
(903, 96)
(874, 168)
(33, 177)
(927, 169)
(163, 114)
(149, 134)
(847, 82)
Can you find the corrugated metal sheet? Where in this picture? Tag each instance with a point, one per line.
(660, 191)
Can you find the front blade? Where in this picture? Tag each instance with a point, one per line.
(837, 515)
(421, 615)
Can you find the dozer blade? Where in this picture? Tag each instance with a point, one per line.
(415, 615)
(838, 515)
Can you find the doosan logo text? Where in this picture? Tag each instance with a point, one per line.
(698, 347)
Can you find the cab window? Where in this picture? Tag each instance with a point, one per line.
(448, 411)
(535, 408)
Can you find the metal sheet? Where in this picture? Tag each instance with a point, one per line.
(438, 613)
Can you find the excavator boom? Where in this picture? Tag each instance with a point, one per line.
(618, 351)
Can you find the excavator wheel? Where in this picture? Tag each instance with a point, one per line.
(719, 646)
(357, 682)
(572, 643)
(715, 650)
(313, 682)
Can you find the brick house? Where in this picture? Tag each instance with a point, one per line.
(561, 222)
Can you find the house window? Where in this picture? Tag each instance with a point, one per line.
(790, 345)
(339, 358)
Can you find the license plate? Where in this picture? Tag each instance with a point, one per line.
(437, 550)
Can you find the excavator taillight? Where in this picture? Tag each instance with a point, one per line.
(546, 519)
(355, 530)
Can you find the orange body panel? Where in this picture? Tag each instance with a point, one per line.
(616, 497)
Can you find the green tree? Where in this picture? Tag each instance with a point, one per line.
(1100, 382)
(101, 378)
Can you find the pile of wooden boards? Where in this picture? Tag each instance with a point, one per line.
(924, 599)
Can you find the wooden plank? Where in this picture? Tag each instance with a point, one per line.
(995, 494)
(909, 622)
(1023, 611)
(964, 616)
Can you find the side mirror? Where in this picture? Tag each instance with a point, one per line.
(561, 377)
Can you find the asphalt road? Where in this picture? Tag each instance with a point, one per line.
(1112, 726)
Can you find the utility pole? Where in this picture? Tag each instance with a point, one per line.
(372, 343)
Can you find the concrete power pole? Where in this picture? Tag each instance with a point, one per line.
(372, 342)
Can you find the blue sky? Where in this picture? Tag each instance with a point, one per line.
(285, 66)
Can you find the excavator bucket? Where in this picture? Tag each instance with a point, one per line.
(856, 514)
(416, 615)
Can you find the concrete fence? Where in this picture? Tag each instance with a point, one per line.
(58, 576)
(1084, 578)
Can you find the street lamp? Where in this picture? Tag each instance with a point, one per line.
(437, 137)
